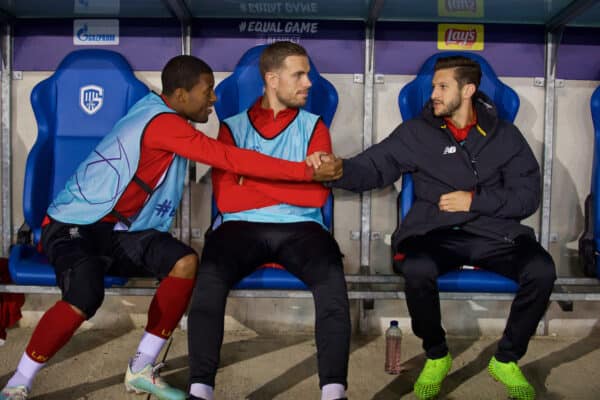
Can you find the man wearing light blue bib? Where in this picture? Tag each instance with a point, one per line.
(272, 222)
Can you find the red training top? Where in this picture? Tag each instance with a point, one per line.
(235, 192)
(169, 134)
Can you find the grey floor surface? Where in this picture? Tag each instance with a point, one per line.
(258, 367)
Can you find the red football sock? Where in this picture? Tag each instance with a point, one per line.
(168, 305)
(54, 330)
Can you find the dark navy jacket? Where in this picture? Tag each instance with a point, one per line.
(495, 162)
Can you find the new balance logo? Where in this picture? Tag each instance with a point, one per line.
(449, 150)
(74, 232)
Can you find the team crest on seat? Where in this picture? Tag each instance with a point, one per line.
(91, 98)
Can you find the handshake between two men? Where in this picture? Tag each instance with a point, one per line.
(327, 167)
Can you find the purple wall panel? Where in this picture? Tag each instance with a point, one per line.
(401, 48)
(579, 54)
(147, 44)
(334, 47)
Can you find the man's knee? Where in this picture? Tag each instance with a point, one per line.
(186, 267)
(210, 295)
(325, 272)
(419, 269)
(83, 289)
(540, 271)
(330, 295)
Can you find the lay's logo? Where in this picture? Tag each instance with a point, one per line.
(460, 37)
(461, 8)
(465, 38)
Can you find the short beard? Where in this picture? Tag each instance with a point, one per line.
(450, 109)
(291, 103)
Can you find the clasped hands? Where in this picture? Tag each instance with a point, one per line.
(326, 166)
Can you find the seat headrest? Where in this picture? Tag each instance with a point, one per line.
(74, 108)
(241, 89)
(88, 93)
(595, 107)
(415, 94)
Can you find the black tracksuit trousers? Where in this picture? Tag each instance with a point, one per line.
(237, 248)
(522, 260)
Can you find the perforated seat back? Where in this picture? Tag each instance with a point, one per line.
(238, 92)
(416, 93)
(411, 100)
(74, 108)
(595, 109)
(243, 87)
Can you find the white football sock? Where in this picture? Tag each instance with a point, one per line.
(333, 391)
(203, 391)
(26, 371)
(147, 351)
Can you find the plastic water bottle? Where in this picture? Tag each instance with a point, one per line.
(393, 343)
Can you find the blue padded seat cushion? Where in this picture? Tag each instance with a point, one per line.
(270, 277)
(67, 133)
(238, 92)
(476, 280)
(411, 100)
(595, 110)
(27, 266)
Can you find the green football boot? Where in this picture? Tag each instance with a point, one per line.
(510, 375)
(429, 382)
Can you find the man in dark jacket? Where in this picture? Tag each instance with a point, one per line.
(475, 178)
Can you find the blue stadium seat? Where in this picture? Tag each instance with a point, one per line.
(237, 93)
(589, 243)
(274, 276)
(74, 108)
(411, 100)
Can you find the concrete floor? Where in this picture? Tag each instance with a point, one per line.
(258, 367)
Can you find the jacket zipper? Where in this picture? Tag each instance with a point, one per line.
(473, 164)
(470, 160)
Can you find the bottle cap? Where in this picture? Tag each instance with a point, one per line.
(394, 323)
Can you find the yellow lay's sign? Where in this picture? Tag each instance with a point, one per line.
(460, 8)
(460, 37)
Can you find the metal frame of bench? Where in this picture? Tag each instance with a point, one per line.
(361, 287)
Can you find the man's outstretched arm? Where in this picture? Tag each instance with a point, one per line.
(378, 166)
(183, 139)
(299, 193)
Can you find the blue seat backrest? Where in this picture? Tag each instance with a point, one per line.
(74, 108)
(411, 100)
(416, 93)
(241, 89)
(595, 109)
(238, 92)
